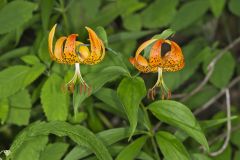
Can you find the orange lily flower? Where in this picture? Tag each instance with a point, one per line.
(69, 51)
(172, 61)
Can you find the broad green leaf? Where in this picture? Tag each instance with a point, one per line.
(54, 151)
(8, 20)
(54, 100)
(83, 12)
(171, 147)
(14, 53)
(131, 91)
(178, 115)
(217, 7)
(108, 137)
(109, 96)
(4, 109)
(32, 148)
(77, 133)
(132, 22)
(14, 78)
(107, 14)
(30, 59)
(96, 82)
(132, 150)
(46, 7)
(130, 6)
(235, 138)
(233, 6)
(237, 155)
(123, 36)
(198, 156)
(223, 68)
(20, 108)
(225, 155)
(103, 35)
(215, 122)
(183, 19)
(201, 97)
(159, 13)
(165, 34)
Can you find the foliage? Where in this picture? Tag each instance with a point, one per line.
(39, 121)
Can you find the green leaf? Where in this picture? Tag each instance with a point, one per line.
(235, 138)
(131, 91)
(46, 7)
(32, 148)
(198, 156)
(20, 108)
(103, 35)
(159, 13)
(54, 151)
(233, 6)
(17, 77)
(30, 59)
(123, 36)
(178, 115)
(8, 20)
(108, 137)
(223, 68)
(237, 155)
(130, 6)
(14, 53)
(132, 22)
(78, 134)
(165, 34)
(217, 6)
(4, 109)
(132, 150)
(171, 147)
(183, 19)
(201, 97)
(109, 96)
(215, 122)
(54, 101)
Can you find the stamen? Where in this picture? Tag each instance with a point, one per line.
(165, 92)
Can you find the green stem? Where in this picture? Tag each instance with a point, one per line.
(155, 148)
(64, 16)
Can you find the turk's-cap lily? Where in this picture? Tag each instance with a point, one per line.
(68, 50)
(172, 61)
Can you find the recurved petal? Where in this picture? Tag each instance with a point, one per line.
(50, 41)
(97, 48)
(143, 46)
(173, 60)
(95, 41)
(58, 50)
(155, 54)
(69, 54)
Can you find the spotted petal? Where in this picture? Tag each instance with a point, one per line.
(97, 48)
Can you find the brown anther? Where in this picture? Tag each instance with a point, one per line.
(89, 90)
(80, 89)
(71, 87)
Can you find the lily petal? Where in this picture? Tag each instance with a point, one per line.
(50, 41)
(155, 54)
(69, 50)
(173, 60)
(143, 46)
(58, 51)
(97, 47)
